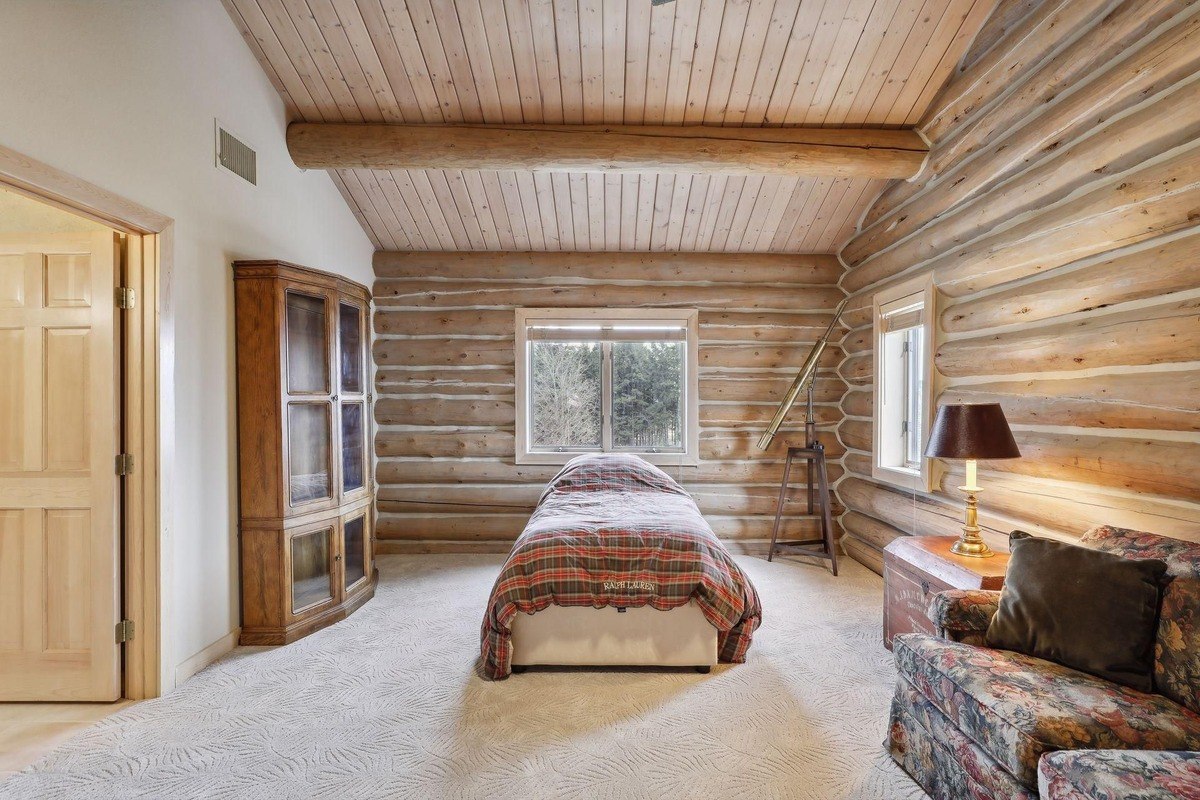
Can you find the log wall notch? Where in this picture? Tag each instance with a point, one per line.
(1058, 214)
(445, 409)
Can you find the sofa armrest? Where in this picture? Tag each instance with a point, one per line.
(963, 615)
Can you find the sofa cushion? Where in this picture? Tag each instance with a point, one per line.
(1182, 558)
(946, 764)
(1080, 607)
(1177, 648)
(1104, 774)
(1017, 707)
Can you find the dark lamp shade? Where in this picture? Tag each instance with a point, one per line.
(974, 431)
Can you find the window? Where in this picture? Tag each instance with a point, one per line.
(903, 393)
(606, 380)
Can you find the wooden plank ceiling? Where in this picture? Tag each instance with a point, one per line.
(848, 63)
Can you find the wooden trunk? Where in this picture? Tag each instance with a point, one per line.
(915, 568)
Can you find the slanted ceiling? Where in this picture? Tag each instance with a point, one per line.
(849, 63)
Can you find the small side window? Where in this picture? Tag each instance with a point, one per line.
(903, 336)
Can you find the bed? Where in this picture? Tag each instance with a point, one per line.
(617, 566)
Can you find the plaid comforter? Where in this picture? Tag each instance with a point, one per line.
(612, 530)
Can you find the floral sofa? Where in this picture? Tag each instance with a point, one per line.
(968, 721)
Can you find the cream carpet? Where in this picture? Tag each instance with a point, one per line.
(387, 704)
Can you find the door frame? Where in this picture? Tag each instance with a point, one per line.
(147, 397)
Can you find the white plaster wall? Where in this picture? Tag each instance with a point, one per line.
(123, 93)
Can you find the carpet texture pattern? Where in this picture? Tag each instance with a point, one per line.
(389, 704)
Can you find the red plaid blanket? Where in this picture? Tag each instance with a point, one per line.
(612, 530)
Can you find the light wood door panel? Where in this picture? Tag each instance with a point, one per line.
(59, 492)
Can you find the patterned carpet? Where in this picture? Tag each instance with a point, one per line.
(388, 705)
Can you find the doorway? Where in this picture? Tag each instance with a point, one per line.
(81, 338)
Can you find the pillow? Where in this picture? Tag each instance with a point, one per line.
(1085, 609)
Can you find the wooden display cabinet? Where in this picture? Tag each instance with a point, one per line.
(305, 486)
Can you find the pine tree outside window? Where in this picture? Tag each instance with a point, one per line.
(606, 380)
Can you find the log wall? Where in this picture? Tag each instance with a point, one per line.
(445, 405)
(1058, 212)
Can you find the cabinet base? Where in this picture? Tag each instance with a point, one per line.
(298, 630)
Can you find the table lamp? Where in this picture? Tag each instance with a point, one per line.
(971, 432)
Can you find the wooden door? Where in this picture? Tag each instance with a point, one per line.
(59, 491)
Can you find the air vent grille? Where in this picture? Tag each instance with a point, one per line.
(236, 156)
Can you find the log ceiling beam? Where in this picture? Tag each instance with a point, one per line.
(798, 152)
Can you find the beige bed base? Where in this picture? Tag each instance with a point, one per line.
(584, 636)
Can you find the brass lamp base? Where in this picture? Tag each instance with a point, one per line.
(971, 544)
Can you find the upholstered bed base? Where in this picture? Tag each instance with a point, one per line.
(585, 636)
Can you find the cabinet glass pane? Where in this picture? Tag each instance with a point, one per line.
(354, 546)
(350, 347)
(353, 446)
(310, 568)
(308, 452)
(308, 365)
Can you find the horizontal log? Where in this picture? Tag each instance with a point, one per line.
(1137, 273)
(869, 530)
(934, 225)
(1144, 337)
(501, 353)
(725, 445)
(863, 553)
(1039, 119)
(764, 356)
(1004, 19)
(1026, 131)
(1159, 400)
(1145, 203)
(444, 352)
(1074, 507)
(499, 294)
(858, 370)
(857, 464)
(920, 514)
(445, 471)
(1155, 466)
(856, 434)
(860, 403)
(859, 340)
(388, 547)
(752, 268)
(846, 153)
(459, 444)
(764, 388)
(398, 381)
(1142, 203)
(757, 415)
(714, 325)
(445, 411)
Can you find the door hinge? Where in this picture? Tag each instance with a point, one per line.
(124, 631)
(124, 464)
(125, 298)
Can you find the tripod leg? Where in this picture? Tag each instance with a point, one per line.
(783, 488)
(826, 516)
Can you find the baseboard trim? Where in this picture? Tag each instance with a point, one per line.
(193, 664)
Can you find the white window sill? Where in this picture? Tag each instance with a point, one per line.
(902, 477)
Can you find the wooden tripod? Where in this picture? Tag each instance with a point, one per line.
(813, 453)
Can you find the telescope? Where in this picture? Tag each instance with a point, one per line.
(806, 377)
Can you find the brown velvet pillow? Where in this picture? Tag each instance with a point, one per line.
(1085, 609)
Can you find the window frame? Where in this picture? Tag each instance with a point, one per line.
(919, 291)
(525, 317)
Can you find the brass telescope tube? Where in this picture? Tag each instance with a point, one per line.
(808, 371)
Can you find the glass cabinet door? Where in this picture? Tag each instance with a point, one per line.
(312, 581)
(306, 343)
(351, 354)
(309, 452)
(353, 446)
(354, 550)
